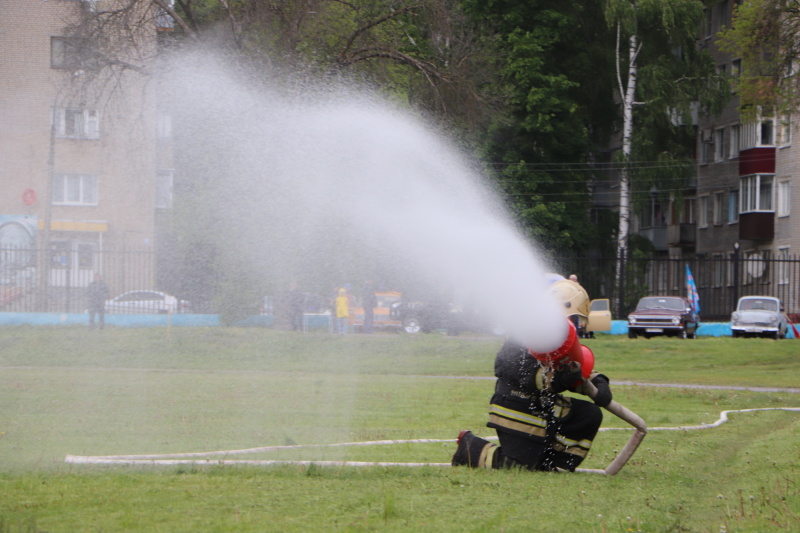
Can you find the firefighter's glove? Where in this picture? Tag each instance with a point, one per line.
(603, 397)
(566, 376)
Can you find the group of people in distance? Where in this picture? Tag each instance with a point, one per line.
(343, 304)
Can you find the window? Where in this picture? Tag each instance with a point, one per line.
(687, 213)
(85, 253)
(718, 272)
(164, 21)
(766, 132)
(719, 144)
(784, 265)
(76, 123)
(784, 134)
(733, 142)
(702, 212)
(716, 208)
(60, 254)
(733, 207)
(705, 147)
(723, 14)
(756, 193)
(784, 198)
(72, 189)
(736, 68)
(70, 53)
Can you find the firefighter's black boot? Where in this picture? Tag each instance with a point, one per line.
(473, 451)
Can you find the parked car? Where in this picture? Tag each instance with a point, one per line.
(146, 302)
(416, 316)
(759, 316)
(382, 317)
(599, 317)
(438, 314)
(663, 315)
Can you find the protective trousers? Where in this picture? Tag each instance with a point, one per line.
(534, 443)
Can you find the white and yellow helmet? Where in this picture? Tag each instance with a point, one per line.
(573, 296)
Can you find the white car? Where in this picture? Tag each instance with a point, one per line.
(146, 302)
(759, 316)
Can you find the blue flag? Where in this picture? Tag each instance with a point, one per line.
(691, 291)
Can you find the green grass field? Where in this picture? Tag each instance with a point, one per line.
(71, 391)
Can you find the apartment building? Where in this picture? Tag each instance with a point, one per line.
(746, 203)
(84, 157)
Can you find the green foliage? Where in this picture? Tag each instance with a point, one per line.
(67, 390)
(557, 111)
(763, 35)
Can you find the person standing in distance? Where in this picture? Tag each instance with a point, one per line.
(97, 294)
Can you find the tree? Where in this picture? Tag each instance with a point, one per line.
(665, 74)
(556, 91)
(765, 35)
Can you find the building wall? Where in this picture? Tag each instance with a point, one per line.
(122, 157)
(723, 176)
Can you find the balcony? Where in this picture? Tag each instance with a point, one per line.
(681, 235)
(757, 225)
(657, 235)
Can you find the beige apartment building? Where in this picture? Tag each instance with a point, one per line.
(84, 156)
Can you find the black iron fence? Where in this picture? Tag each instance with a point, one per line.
(720, 281)
(55, 280)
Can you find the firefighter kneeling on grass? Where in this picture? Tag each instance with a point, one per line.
(539, 428)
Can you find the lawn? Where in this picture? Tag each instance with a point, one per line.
(213, 391)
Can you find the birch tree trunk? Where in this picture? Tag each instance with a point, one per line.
(628, 95)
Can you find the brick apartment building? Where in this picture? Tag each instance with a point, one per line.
(745, 172)
(738, 208)
(84, 155)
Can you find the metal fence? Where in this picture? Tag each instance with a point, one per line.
(720, 281)
(55, 280)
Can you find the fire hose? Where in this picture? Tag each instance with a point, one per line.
(622, 412)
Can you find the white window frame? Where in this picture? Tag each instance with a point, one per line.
(75, 189)
(756, 193)
(76, 123)
(784, 267)
(784, 192)
(784, 131)
(733, 142)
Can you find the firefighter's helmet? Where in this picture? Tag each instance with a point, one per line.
(574, 298)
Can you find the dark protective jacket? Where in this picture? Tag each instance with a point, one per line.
(527, 405)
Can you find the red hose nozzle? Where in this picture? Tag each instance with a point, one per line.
(571, 350)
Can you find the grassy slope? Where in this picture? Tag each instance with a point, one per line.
(68, 390)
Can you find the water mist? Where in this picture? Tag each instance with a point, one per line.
(328, 171)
